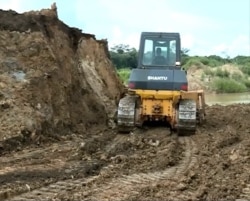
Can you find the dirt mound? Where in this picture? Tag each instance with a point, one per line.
(54, 79)
(224, 149)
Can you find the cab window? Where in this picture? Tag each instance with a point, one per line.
(159, 52)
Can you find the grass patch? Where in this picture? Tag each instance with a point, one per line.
(247, 83)
(237, 76)
(212, 61)
(209, 71)
(193, 62)
(245, 69)
(124, 74)
(222, 73)
(226, 85)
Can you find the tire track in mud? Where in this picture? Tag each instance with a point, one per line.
(45, 191)
(50, 191)
(34, 160)
(37, 152)
(115, 188)
(245, 195)
(118, 139)
(127, 185)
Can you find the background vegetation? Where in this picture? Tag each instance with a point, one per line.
(221, 81)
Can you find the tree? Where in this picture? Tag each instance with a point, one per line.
(120, 49)
(123, 56)
(184, 56)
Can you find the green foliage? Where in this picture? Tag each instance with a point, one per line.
(212, 61)
(215, 61)
(236, 76)
(226, 85)
(244, 64)
(209, 71)
(246, 82)
(121, 48)
(245, 69)
(122, 56)
(124, 74)
(193, 62)
(184, 56)
(222, 73)
(204, 60)
(242, 60)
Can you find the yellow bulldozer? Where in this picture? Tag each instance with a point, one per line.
(158, 88)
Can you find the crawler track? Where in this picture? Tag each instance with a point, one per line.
(34, 162)
(50, 191)
(116, 188)
(39, 158)
(119, 188)
(127, 185)
(245, 194)
(37, 152)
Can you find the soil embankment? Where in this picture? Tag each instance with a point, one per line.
(54, 79)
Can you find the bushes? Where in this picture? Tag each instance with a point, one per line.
(245, 69)
(204, 60)
(246, 82)
(212, 61)
(222, 73)
(124, 74)
(192, 62)
(242, 60)
(209, 71)
(230, 83)
(226, 85)
(236, 76)
(215, 61)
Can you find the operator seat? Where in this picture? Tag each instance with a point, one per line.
(159, 59)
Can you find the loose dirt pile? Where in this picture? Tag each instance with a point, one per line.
(54, 79)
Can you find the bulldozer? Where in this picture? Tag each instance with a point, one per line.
(158, 88)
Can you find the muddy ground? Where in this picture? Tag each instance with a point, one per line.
(58, 91)
(148, 164)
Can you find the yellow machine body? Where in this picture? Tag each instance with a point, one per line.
(159, 105)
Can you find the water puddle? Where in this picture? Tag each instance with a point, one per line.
(227, 99)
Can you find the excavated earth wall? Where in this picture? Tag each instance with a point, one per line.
(54, 79)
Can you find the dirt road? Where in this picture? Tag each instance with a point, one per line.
(148, 164)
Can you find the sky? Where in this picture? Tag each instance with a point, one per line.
(207, 27)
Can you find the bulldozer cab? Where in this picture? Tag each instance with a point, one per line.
(159, 50)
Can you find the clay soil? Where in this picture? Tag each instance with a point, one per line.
(58, 140)
(147, 164)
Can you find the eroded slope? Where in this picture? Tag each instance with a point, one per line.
(54, 79)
